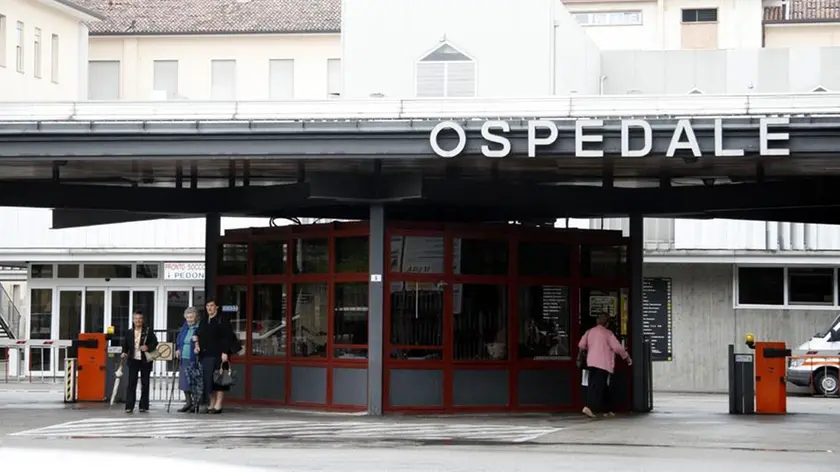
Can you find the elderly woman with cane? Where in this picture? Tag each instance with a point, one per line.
(190, 380)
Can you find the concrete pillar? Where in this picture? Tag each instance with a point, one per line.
(212, 231)
(636, 261)
(376, 309)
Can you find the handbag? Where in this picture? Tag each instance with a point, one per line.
(224, 377)
(581, 359)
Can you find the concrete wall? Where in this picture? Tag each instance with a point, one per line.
(802, 35)
(51, 19)
(771, 70)
(577, 58)
(310, 54)
(705, 323)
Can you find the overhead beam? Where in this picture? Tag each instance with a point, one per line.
(69, 218)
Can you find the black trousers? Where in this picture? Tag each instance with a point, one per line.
(145, 370)
(597, 391)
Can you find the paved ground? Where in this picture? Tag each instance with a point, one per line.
(686, 433)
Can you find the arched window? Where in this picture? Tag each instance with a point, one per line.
(446, 72)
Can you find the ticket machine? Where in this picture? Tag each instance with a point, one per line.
(92, 349)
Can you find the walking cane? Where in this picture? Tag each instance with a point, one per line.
(172, 385)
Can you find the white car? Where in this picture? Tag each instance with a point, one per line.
(816, 363)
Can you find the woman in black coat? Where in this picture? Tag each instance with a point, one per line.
(216, 343)
(139, 341)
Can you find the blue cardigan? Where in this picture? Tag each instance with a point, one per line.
(179, 341)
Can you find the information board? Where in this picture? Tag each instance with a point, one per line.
(657, 316)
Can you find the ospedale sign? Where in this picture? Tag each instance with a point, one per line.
(589, 134)
(183, 271)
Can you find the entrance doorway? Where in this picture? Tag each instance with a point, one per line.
(178, 300)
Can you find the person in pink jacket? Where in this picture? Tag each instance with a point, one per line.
(601, 347)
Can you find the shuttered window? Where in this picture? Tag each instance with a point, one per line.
(446, 72)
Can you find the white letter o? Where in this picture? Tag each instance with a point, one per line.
(462, 139)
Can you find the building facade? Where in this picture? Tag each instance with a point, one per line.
(777, 280)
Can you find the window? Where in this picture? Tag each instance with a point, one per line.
(233, 300)
(281, 79)
(311, 256)
(543, 322)
(350, 320)
(223, 80)
(416, 321)
(351, 254)
(148, 271)
(480, 256)
(268, 328)
(309, 320)
(270, 257)
(233, 259)
(19, 47)
(68, 271)
(104, 80)
(108, 271)
(36, 52)
(609, 18)
(699, 15)
(54, 59)
(480, 322)
(537, 259)
(603, 262)
(334, 77)
(761, 286)
(417, 254)
(810, 286)
(40, 325)
(446, 72)
(166, 78)
(42, 271)
(2, 41)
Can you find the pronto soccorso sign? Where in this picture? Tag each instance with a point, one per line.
(589, 133)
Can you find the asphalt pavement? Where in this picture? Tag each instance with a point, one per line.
(686, 433)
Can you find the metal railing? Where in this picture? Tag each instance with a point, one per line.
(10, 317)
(754, 105)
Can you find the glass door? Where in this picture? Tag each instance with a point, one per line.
(94, 312)
(69, 320)
(119, 313)
(176, 302)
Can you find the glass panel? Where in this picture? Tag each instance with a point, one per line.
(107, 271)
(480, 321)
(94, 311)
(233, 259)
(417, 254)
(198, 301)
(144, 302)
(416, 319)
(544, 320)
(761, 285)
(351, 254)
(268, 328)
(120, 303)
(480, 257)
(270, 257)
(594, 302)
(40, 326)
(68, 271)
(148, 271)
(808, 286)
(542, 259)
(69, 319)
(309, 320)
(350, 322)
(604, 261)
(311, 256)
(232, 304)
(42, 271)
(176, 303)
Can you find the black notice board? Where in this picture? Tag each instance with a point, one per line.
(656, 316)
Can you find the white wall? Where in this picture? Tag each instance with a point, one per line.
(194, 53)
(755, 235)
(17, 86)
(577, 58)
(648, 35)
(509, 39)
(802, 35)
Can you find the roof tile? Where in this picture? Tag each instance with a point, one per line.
(214, 16)
(805, 10)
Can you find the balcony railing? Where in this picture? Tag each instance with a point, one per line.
(9, 315)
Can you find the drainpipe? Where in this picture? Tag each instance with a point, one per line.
(766, 235)
(601, 85)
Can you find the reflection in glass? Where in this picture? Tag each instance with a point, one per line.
(270, 257)
(603, 261)
(233, 259)
(480, 256)
(351, 254)
(40, 326)
(148, 271)
(351, 316)
(94, 311)
(594, 302)
(42, 271)
(542, 259)
(417, 254)
(144, 302)
(119, 315)
(107, 271)
(480, 322)
(176, 303)
(68, 271)
(69, 319)
(268, 328)
(416, 319)
(544, 322)
(309, 320)
(232, 299)
(311, 256)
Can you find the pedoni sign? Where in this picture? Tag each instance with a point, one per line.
(183, 271)
(588, 134)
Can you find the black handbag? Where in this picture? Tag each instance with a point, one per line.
(581, 359)
(224, 377)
